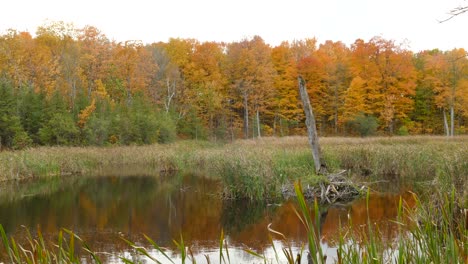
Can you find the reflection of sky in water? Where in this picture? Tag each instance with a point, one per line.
(236, 255)
(101, 209)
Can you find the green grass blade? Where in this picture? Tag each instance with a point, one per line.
(181, 247)
(139, 249)
(60, 246)
(253, 253)
(314, 243)
(158, 248)
(6, 244)
(15, 250)
(274, 248)
(126, 260)
(227, 251)
(221, 240)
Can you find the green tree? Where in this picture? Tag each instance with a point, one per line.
(141, 123)
(59, 130)
(31, 111)
(59, 126)
(365, 125)
(12, 134)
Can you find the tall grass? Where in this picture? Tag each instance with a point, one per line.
(429, 233)
(37, 250)
(257, 169)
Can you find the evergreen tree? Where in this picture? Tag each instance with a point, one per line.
(59, 126)
(31, 112)
(12, 134)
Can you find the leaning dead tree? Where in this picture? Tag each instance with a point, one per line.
(337, 187)
(320, 167)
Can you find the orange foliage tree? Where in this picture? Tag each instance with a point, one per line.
(251, 72)
(239, 89)
(384, 81)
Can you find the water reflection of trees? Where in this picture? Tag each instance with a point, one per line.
(236, 215)
(381, 211)
(100, 209)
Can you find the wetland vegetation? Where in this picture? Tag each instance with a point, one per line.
(429, 222)
(257, 169)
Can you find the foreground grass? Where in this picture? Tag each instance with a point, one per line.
(257, 169)
(430, 233)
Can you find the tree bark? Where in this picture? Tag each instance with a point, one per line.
(311, 127)
(447, 132)
(452, 120)
(258, 124)
(246, 117)
(171, 88)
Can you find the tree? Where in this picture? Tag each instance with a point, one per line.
(356, 99)
(303, 48)
(426, 115)
(95, 55)
(335, 59)
(386, 80)
(131, 71)
(208, 83)
(446, 72)
(365, 125)
(31, 111)
(179, 90)
(60, 38)
(141, 124)
(58, 127)
(314, 73)
(166, 80)
(251, 75)
(12, 134)
(287, 107)
(311, 128)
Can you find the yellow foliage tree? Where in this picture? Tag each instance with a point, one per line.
(86, 113)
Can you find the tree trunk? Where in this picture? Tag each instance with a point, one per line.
(73, 97)
(274, 124)
(258, 124)
(281, 126)
(246, 117)
(311, 127)
(447, 132)
(452, 119)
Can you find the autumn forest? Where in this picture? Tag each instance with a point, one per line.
(69, 86)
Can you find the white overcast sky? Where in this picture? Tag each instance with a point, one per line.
(413, 21)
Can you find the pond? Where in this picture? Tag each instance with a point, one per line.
(102, 210)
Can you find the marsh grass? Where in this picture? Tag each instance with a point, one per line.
(429, 233)
(257, 169)
(37, 250)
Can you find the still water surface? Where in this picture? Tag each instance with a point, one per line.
(102, 209)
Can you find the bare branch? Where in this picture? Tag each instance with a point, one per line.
(455, 12)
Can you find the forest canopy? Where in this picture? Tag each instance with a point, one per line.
(70, 86)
